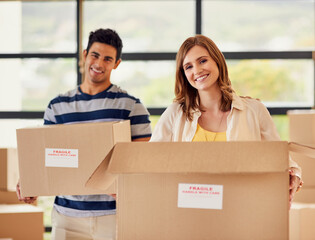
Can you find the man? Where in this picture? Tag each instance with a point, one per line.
(95, 100)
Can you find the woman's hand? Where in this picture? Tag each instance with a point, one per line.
(295, 183)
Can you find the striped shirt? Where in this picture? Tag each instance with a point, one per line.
(113, 104)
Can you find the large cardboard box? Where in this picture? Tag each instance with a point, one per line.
(302, 218)
(21, 221)
(201, 190)
(9, 171)
(58, 159)
(302, 126)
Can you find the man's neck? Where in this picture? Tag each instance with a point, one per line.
(93, 89)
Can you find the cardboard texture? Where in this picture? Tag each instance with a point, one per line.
(21, 222)
(8, 197)
(307, 165)
(306, 195)
(9, 171)
(164, 190)
(302, 126)
(58, 159)
(302, 130)
(302, 218)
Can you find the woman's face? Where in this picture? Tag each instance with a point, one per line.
(200, 69)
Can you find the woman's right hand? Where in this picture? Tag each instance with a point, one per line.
(29, 200)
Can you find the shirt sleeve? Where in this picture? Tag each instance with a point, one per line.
(140, 123)
(49, 116)
(163, 130)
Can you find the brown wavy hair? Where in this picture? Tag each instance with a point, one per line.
(186, 95)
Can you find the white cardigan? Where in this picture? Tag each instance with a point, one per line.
(248, 120)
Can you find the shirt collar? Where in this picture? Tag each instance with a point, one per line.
(237, 102)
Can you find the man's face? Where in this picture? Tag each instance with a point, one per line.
(99, 62)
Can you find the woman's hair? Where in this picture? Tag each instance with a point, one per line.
(186, 95)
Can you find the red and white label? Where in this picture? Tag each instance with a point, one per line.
(56, 157)
(202, 196)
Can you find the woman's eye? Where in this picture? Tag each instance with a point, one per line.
(187, 67)
(203, 61)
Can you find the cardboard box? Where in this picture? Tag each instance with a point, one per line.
(307, 164)
(302, 218)
(9, 171)
(58, 159)
(306, 195)
(21, 222)
(302, 126)
(199, 190)
(8, 197)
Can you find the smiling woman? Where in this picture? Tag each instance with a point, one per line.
(207, 106)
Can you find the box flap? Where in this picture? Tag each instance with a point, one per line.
(122, 131)
(304, 149)
(199, 157)
(301, 111)
(102, 179)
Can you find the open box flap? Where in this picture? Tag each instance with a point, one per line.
(199, 157)
(306, 150)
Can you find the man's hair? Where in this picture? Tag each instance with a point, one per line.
(186, 95)
(107, 36)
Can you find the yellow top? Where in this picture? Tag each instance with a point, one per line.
(203, 135)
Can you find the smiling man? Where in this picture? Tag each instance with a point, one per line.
(95, 100)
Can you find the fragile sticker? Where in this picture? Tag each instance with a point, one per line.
(204, 196)
(56, 157)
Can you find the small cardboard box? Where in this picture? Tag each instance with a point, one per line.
(304, 155)
(9, 197)
(302, 126)
(302, 218)
(199, 190)
(307, 164)
(58, 159)
(9, 171)
(21, 221)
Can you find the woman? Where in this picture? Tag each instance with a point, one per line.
(207, 109)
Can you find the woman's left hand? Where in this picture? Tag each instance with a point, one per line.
(295, 183)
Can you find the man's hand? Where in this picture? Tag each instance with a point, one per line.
(29, 200)
(295, 184)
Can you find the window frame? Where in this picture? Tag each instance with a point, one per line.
(153, 56)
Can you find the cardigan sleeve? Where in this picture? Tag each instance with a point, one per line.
(163, 130)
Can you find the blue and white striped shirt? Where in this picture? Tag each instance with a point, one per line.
(113, 104)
